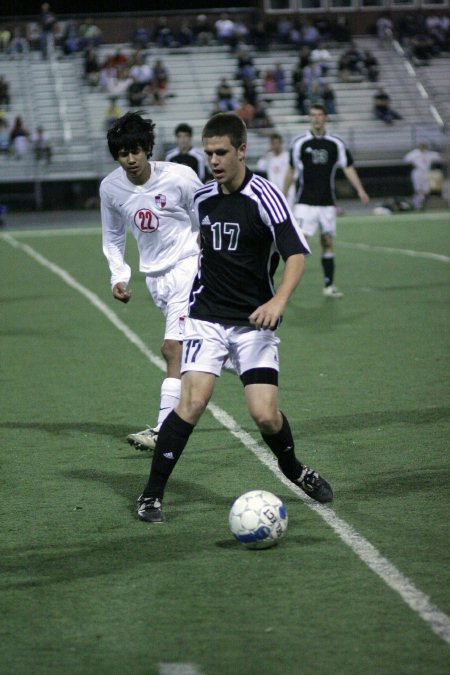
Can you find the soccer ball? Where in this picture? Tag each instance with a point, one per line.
(258, 519)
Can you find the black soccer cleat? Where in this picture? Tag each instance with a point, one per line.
(314, 485)
(150, 509)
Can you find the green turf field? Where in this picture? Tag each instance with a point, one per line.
(360, 588)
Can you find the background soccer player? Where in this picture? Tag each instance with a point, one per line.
(185, 153)
(245, 226)
(154, 201)
(314, 157)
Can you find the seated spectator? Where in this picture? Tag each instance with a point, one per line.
(5, 39)
(163, 35)
(321, 58)
(261, 117)
(384, 29)
(19, 44)
(246, 111)
(90, 34)
(140, 36)
(71, 42)
(422, 49)
(351, 65)
(18, 138)
(161, 80)
(202, 32)
(269, 83)
(225, 99)
(117, 83)
(371, 66)
(4, 136)
(224, 30)
(140, 71)
(310, 36)
(92, 67)
(329, 99)
(249, 90)
(112, 112)
(5, 97)
(301, 102)
(280, 77)
(382, 107)
(42, 148)
(184, 36)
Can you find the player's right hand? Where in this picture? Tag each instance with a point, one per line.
(120, 292)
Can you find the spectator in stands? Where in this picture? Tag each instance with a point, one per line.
(371, 66)
(163, 35)
(421, 159)
(321, 58)
(5, 39)
(202, 31)
(140, 70)
(42, 148)
(382, 107)
(351, 65)
(301, 101)
(329, 99)
(225, 31)
(269, 83)
(161, 79)
(259, 36)
(422, 49)
(18, 138)
(4, 136)
(261, 117)
(280, 77)
(92, 68)
(341, 31)
(184, 35)
(250, 90)
(310, 36)
(47, 25)
(384, 29)
(71, 38)
(225, 99)
(246, 111)
(185, 153)
(117, 83)
(140, 36)
(19, 44)
(5, 96)
(90, 33)
(112, 112)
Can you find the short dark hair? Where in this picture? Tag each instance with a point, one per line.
(131, 132)
(318, 106)
(226, 124)
(183, 128)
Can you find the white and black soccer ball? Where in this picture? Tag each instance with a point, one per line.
(258, 519)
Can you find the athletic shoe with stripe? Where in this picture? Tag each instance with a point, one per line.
(150, 509)
(143, 440)
(314, 485)
(332, 292)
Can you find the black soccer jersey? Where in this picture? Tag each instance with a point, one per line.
(193, 158)
(243, 235)
(316, 159)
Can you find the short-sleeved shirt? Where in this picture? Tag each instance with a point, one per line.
(243, 235)
(316, 159)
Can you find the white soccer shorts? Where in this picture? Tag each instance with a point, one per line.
(205, 346)
(312, 217)
(170, 292)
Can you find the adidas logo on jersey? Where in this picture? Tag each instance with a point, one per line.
(206, 221)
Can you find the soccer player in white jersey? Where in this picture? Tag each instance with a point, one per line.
(154, 201)
(422, 160)
(246, 226)
(275, 164)
(315, 156)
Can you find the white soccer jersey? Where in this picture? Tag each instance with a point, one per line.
(422, 159)
(275, 166)
(159, 214)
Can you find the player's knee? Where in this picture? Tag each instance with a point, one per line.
(191, 408)
(266, 420)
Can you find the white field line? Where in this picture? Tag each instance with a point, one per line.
(418, 601)
(395, 251)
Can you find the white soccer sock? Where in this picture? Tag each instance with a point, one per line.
(170, 395)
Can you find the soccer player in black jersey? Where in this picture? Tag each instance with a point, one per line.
(245, 227)
(185, 153)
(314, 157)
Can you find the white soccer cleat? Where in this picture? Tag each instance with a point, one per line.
(332, 292)
(143, 440)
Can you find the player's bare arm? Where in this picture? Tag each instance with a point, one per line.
(288, 180)
(268, 314)
(121, 293)
(353, 177)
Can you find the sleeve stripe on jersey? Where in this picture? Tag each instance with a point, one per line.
(271, 198)
(209, 188)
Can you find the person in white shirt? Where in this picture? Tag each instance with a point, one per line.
(421, 159)
(275, 165)
(152, 200)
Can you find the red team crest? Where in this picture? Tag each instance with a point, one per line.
(160, 201)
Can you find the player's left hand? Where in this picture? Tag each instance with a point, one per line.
(265, 316)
